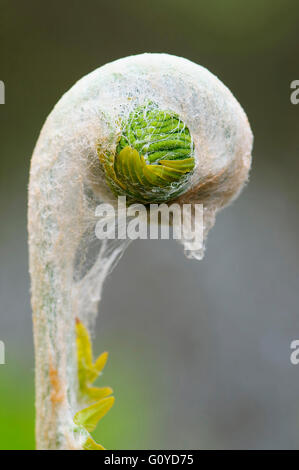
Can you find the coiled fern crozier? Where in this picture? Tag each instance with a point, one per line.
(154, 128)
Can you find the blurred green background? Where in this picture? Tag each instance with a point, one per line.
(202, 359)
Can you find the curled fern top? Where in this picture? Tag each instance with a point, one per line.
(154, 156)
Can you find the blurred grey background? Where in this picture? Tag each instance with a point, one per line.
(199, 351)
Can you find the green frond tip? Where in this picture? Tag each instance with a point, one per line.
(154, 156)
(87, 419)
(89, 371)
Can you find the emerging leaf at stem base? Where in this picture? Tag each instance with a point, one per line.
(88, 372)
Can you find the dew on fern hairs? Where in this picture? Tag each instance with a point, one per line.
(155, 128)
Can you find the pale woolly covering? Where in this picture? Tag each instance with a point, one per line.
(67, 183)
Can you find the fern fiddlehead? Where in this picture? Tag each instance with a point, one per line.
(153, 158)
(164, 128)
